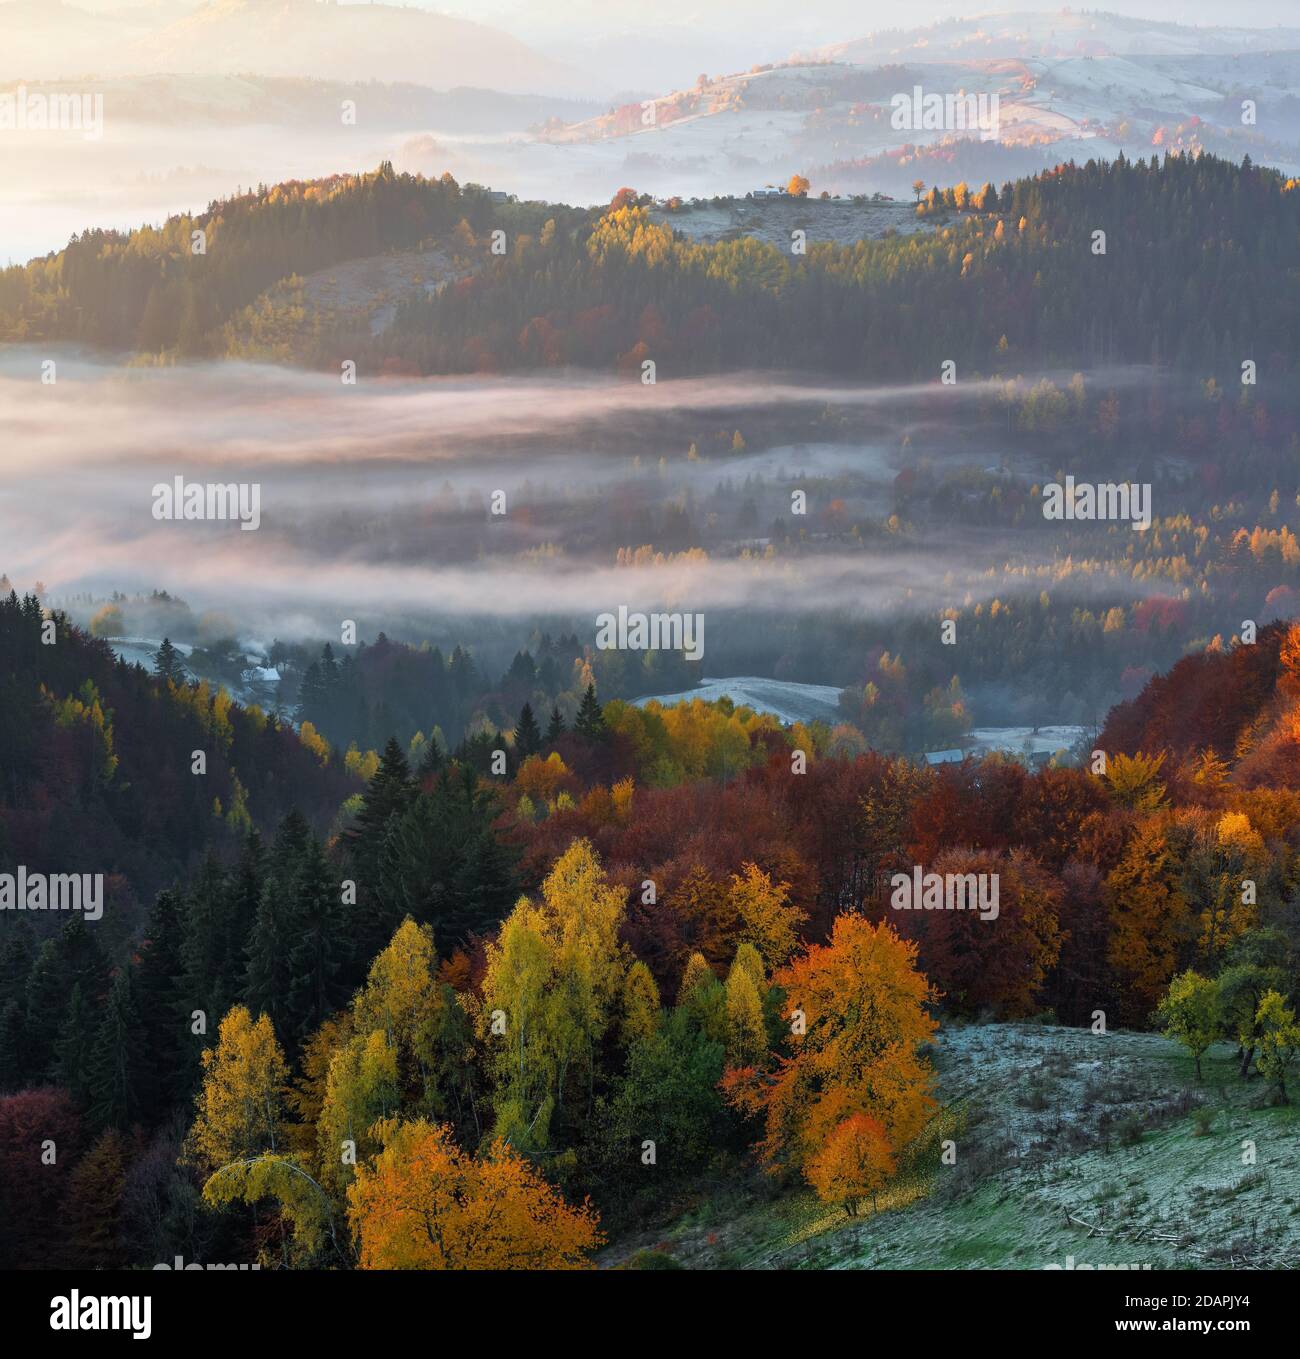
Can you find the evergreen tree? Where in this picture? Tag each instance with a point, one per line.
(243, 893)
(475, 752)
(14, 1070)
(117, 1060)
(556, 727)
(161, 994)
(167, 662)
(16, 959)
(267, 982)
(444, 863)
(329, 669)
(267, 979)
(388, 795)
(431, 759)
(83, 959)
(528, 735)
(590, 722)
(204, 944)
(74, 958)
(319, 949)
(312, 706)
(17, 955)
(45, 1001)
(329, 674)
(73, 1047)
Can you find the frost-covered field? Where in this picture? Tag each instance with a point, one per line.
(794, 702)
(1073, 1151)
(772, 220)
(789, 701)
(1023, 740)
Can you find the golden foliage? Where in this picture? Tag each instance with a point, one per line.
(426, 1204)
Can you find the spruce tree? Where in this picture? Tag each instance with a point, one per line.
(164, 1015)
(72, 1048)
(590, 722)
(44, 1002)
(167, 662)
(117, 1060)
(16, 958)
(329, 674)
(14, 1071)
(431, 759)
(74, 958)
(267, 977)
(267, 980)
(204, 942)
(319, 949)
(243, 893)
(83, 959)
(389, 793)
(312, 705)
(528, 735)
(556, 728)
(445, 864)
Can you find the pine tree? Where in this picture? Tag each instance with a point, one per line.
(444, 864)
(204, 943)
(267, 978)
(160, 994)
(45, 999)
(83, 959)
(590, 722)
(268, 975)
(167, 662)
(431, 758)
(16, 958)
(330, 690)
(13, 1048)
(312, 705)
(117, 1061)
(72, 1049)
(73, 958)
(243, 893)
(556, 728)
(319, 949)
(523, 670)
(388, 795)
(528, 735)
(329, 668)
(475, 752)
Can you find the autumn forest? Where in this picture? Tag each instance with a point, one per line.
(749, 729)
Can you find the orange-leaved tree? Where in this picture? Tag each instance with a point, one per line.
(425, 1204)
(858, 1011)
(856, 1161)
(1149, 915)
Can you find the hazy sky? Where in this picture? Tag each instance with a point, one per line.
(757, 30)
(825, 20)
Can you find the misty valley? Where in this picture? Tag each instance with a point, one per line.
(649, 643)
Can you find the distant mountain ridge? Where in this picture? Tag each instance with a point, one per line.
(1054, 34)
(1068, 87)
